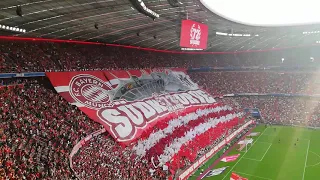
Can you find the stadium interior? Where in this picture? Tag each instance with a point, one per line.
(108, 90)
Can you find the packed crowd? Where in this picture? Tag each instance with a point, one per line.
(37, 131)
(230, 82)
(33, 56)
(281, 110)
(24, 56)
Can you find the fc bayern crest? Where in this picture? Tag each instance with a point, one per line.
(90, 91)
(195, 35)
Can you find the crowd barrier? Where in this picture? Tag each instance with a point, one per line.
(82, 142)
(253, 68)
(190, 69)
(20, 75)
(294, 125)
(310, 127)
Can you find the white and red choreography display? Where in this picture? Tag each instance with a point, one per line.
(128, 103)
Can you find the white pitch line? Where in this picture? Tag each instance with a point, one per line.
(269, 135)
(205, 175)
(266, 152)
(305, 164)
(276, 135)
(270, 144)
(252, 159)
(253, 175)
(257, 142)
(264, 142)
(314, 164)
(244, 154)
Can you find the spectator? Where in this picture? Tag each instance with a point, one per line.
(37, 131)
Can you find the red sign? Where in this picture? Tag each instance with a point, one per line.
(127, 103)
(235, 176)
(193, 35)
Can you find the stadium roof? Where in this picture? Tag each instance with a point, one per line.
(118, 22)
(257, 12)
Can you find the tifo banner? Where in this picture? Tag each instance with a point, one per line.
(215, 172)
(193, 34)
(230, 158)
(235, 176)
(128, 102)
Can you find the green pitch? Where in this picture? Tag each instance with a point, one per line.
(269, 159)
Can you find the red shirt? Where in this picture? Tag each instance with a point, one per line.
(8, 164)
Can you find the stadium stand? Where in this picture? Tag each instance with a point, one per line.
(279, 110)
(34, 56)
(282, 110)
(229, 82)
(39, 129)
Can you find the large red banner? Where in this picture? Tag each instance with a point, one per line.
(128, 102)
(193, 34)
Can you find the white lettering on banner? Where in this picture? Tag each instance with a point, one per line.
(196, 95)
(209, 154)
(124, 119)
(207, 97)
(124, 126)
(182, 99)
(156, 105)
(87, 81)
(146, 109)
(190, 98)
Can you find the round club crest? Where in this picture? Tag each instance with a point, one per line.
(90, 91)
